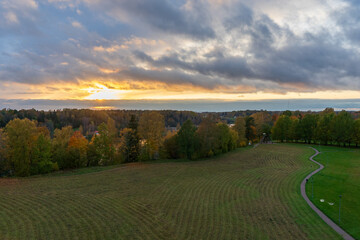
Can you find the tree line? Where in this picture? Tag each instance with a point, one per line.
(90, 119)
(29, 147)
(326, 127)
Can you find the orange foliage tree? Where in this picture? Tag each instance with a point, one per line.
(77, 148)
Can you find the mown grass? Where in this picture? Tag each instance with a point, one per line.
(247, 194)
(78, 171)
(341, 176)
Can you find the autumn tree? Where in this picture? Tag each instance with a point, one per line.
(262, 121)
(77, 149)
(240, 129)
(207, 134)
(104, 145)
(20, 139)
(151, 128)
(250, 129)
(60, 146)
(233, 144)
(226, 139)
(112, 130)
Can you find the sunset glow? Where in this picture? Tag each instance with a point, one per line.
(105, 50)
(97, 91)
(101, 92)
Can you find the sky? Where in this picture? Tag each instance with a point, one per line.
(173, 50)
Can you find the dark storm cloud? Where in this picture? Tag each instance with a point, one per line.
(163, 15)
(317, 60)
(302, 62)
(305, 63)
(170, 77)
(228, 67)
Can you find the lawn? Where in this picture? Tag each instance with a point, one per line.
(246, 194)
(341, 176)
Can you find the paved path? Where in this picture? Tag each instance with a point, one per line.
(329, 222)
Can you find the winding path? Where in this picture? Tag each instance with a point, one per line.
(329, 222)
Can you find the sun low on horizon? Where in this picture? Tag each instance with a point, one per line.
(230, 50)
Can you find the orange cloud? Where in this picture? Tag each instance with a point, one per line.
(112, 90)
(108, 71)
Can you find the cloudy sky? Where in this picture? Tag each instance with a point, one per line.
(179, 49)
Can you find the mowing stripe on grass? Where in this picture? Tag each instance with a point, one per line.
(246, 194)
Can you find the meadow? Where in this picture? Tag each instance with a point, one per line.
(339, 177)
(245, 194)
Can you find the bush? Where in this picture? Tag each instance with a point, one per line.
(55, 166)
(210, 153)
(243, 144)
(45, 167)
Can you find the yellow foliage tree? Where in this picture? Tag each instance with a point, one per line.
(151, 129)
(77, 148)
(21, 138)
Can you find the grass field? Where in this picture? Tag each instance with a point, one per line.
(341, 176)
(246, 194)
